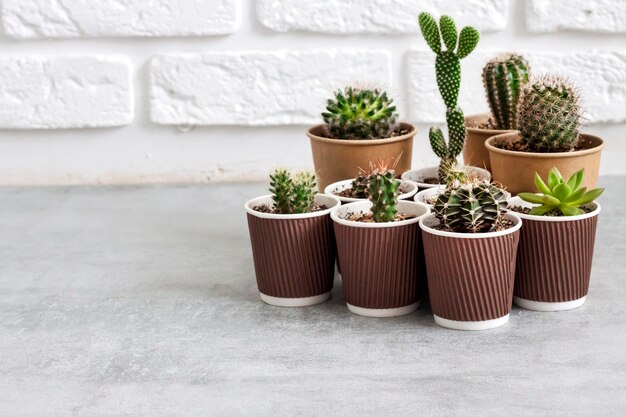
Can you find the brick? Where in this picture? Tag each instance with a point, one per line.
(53, 92)
(600, 75)
(257, 88)
(375, 16)
(28, 19)
(584, 15)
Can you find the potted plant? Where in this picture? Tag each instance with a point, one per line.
(503, 78)
(356, 189)
(549, 123)
(359, 126)
(470, 243)
(556, 243)
(376, 245)
(448, 74)
(292, 240)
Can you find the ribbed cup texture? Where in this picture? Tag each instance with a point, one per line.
(471, 279)
(378, 265)
(293, 258)
(554, 260)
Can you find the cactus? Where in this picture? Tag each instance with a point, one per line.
(503, 78)
(448, 74)
(550, 116)
(473, 209)
(292, 196)
(303, 192)
(383, 192)
(360, 114)
(564, 196)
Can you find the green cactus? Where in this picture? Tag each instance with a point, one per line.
(281, 187)
(292, 194)
(559, 195)
(448, 74)
(360, 114)
(383, 193)
(550, 116)
(473, 209)
(503, 78)
(303, 192)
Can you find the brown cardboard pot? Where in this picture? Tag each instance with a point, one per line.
(338, 159)
(516, 170)
(474, 151)
(294, 254)
(378, 261)
(470, 275)
(554, 259)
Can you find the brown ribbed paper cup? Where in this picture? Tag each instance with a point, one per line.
(294, 254)
(379, 268)
(470, 275)
(554, 259)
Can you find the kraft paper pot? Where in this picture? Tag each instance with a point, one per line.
(407, 190)
(379, 268)
(470, 275)
(554, 259)
(516, 170)
(294, 254)
(474, 151)
(338, 159)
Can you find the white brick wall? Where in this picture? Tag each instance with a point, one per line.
(592, 16)
(238, 80)
(375, 16)
(52, 92)
(26, 19)
(256, 88)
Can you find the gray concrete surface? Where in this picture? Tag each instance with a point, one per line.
(142, 302)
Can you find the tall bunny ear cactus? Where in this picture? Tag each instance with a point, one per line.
(448, 73)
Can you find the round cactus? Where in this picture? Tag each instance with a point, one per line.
(360, 114)
(503, 78)
(471, 209)
(550, 116)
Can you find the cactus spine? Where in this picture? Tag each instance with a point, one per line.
(504, 78)
(550, 116)
(448, 73)
(292, 196)
(360, 114)
(383, 193)
(471, 209)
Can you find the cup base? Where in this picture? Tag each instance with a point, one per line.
(384, 312)
(545, 306)
(472, 325)
(295, 302)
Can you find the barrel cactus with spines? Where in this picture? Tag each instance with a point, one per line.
(471, 209)
(504, 78)
(360, 114)
(448, 74)
(384, 189)
(550, 115)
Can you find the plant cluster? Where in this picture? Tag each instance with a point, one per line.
(448, 74)
(383, 190)
(550, 115)
(559, 195)
(292, 194)
(360, 114)
(504, 78)
(471, 209)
